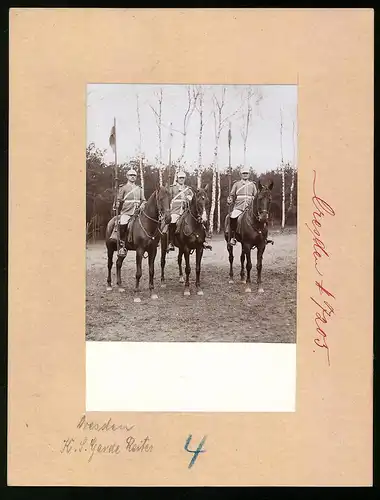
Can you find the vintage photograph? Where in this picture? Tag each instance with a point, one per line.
(191, 213)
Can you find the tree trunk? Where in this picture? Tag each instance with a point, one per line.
(291, 190)
(189, 111)
(214, 184)
(213, 199)
(283, 197)
(199, 173)
(293, 173)
(283, 176)
(160, 174)
(142, 173)
(218, 203)
(158, 117)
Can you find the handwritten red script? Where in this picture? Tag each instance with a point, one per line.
(324, 308)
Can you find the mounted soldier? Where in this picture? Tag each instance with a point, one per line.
(181, 195)
(241, 195)
(132, 197)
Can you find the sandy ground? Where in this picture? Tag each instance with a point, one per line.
(225, 313)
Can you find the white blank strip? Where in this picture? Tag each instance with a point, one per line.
(189, 377)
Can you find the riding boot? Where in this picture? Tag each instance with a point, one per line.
(206, 245)
(171, 237)
(233, 232)
(122, 249)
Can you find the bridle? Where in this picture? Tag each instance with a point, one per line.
(257, 213)
(197, 217)
(161, 216)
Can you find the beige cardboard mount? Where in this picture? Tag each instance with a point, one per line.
(54, 53)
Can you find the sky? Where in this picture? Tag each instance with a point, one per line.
(108, 101)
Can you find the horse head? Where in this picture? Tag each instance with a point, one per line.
(163, 203)
(200, 200)
(263, 201)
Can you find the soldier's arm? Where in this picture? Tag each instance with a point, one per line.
(120, 195)
(233, 191)
(142, 195)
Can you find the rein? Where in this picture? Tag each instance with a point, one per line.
(197, 219)
(160, 218)
(255, 215)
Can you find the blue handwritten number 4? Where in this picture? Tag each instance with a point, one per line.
(197, 451)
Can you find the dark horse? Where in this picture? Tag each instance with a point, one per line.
(252, 231)
(190, 236)
(145, 236)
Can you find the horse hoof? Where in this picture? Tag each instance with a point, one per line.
(181, 280)
(261, 290)
(163, 285)
(186, 292)
(248, 290)
(154, 296)
(121, 289)
(200, 292)
(137, 299)
(109, 288)
(231, 282)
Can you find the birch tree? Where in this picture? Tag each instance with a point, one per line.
(140, 143)
(191, 102)
(282, 175)
(247, 115)
(293, 171)
(219, 124)
(199, 96)
(158, 117)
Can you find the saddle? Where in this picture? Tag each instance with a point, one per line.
(238, 222)
(129, 227)
(179, 223)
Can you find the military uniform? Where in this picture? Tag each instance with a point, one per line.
(179, 196)
(131, 195)
(242, 193)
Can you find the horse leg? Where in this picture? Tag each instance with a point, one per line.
(230, 249)
(187, 271)
(180, 253)
(164, 246)
(139, 257)
(198, 257)
(152, 257)
(259, 266)
(110, 264)
(242, 259)
(247, 251)
(119, 263)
